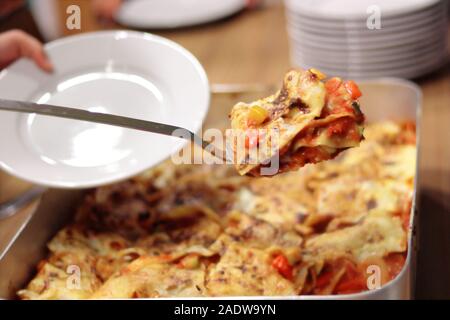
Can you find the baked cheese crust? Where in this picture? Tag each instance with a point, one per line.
(196, 231)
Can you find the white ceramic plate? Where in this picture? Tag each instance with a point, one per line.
(339, 26)
(346, 23)
(365, 57)
(167, 14)
(361, 30)
(356, 9)
(408, 72)
(377, 54)
(126, 73)
(414, 62)
(392, 41)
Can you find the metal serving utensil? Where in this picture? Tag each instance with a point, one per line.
(109, 119)
(12, 206)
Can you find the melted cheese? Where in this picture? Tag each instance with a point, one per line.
(207, 232)
(376, 236)
(148, 277)
(244, 271)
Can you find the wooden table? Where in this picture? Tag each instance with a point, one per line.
(252, 47)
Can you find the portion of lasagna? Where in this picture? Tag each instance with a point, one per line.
(307, 121)
(337, 227)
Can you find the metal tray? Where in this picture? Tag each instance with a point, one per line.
(384, 99)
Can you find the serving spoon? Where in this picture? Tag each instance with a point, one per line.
(12, 206)
(110, 119)
(7, 209)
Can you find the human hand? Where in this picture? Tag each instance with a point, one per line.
(251, 4)
(8, 7)
(15, 44)
(106, 9)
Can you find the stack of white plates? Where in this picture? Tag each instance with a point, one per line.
(344, 37)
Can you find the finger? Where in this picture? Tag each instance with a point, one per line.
(251, 4)
(42, 60)
(106, 10)
(31, 48)
(8, 50)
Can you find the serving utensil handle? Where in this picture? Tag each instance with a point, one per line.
(103, 118)
(97, 117)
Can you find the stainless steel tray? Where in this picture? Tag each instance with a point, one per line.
(384, 99)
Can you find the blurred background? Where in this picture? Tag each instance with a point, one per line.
(248, 45)
(356, 39)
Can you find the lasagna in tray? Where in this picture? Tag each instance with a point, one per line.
(202, 231)
(309, 120)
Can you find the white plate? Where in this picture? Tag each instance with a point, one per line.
(362, 52)
(393, 41)
(370, 56)
(399, 38)
(359, 25)
(167, 14)
(408, 72)
(126, 73)
(356, 9)
(414, 62)
(348, 23)
(360, 28)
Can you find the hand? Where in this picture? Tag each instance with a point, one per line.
(106, 9)
(16, 44)
(251, 4)
(7, 7)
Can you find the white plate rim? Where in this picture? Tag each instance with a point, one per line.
(404, 72)
(350, 29)
(381, 58)
(400, 38)
(376, 45)
(123, 20)
(378, 67)
(363, 53)
(328, 22)
(293, 5)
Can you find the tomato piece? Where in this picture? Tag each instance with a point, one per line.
(353, 89)
(333, 84)
(281, 264)
(251, 140)
(351, 269)
(336, 128)
(115, 245)
(406, 220)
(351, 285)
(353, 280)
(323, 279)
(340, 126)
(395, 262)
(165, 257)
(307, 155)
